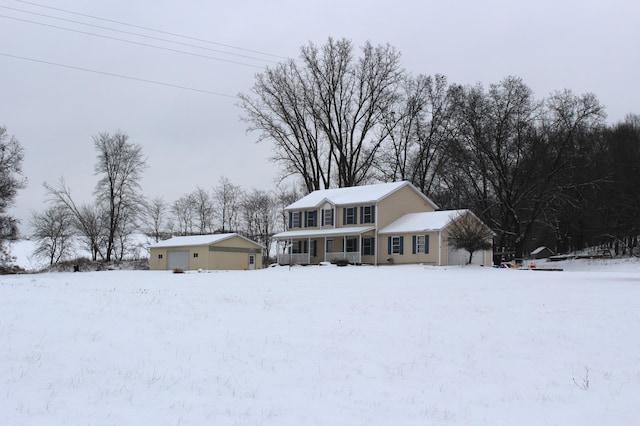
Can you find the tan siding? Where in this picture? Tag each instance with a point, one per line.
(401, 202)
(430, 258)
(210, 260)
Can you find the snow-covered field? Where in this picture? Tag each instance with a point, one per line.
(392, 345)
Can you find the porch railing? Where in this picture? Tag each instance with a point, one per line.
(350, 256)
(294, 258)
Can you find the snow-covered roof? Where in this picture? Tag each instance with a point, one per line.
(330, 232)
(422, 222)
(541, 249)
(197, 240)
(352, 195)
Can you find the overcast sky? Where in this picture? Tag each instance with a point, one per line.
(193, 137)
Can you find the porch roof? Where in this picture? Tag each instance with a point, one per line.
(319, 233)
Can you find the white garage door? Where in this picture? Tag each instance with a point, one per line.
(178, 259)
(461, 257)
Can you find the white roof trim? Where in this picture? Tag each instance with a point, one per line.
(318, 233)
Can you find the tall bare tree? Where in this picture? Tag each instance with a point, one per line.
(203, 209)
(120, 165)
(324, 113)
(183, 214)
(259, 214)
(419, 130)
(155, 218)
(11, 180)
(227, 198)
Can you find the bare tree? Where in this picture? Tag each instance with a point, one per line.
(183, 213)
(419, 129)
(52, 231)
(467, 232)
(154, 218)
(11, 180)
(325, 116)
(120, 165)
(88, 219)
(203, 209)
(259, 213)
(227, 197)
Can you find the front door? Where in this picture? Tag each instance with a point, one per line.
(252, 261)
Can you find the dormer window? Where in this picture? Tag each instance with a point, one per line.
(327, 217)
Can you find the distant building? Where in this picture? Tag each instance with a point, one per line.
(206, 252)
(542, 252)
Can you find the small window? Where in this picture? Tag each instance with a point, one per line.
(295, 219)
(195, 255)
(160, 256)
(396, 247)
(350, 216)
(311, 219)
(367, 214)
(368, 245)
(327, 217)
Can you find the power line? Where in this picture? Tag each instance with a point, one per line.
(131, 42)
(128, 33)
(176, 86)
(150, 29)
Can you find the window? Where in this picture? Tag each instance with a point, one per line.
(294, 219)
(311, 219)
(349, 216)
(352, 245)
(195, 254)
(329, 246)
(367, 214)
(420, 244)
(368, 246)
(395, 245)
(327, 217)
(160, 256)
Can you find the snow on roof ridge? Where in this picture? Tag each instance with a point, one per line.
(194, 239)
(352, 195)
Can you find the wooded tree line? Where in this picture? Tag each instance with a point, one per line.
(545, 171)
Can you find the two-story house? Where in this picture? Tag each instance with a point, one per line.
(375, 224)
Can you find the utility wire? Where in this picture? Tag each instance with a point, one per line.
(150, 29)
(132, 42)
(130, 33)
(117, 75)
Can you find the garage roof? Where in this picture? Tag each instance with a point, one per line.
(422, 222)
(198, 240)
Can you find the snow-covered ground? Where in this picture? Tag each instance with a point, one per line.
(323, 345)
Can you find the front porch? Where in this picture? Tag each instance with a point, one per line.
(353, 245)
(354, 257)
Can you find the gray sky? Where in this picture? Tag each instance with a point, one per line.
(193, 138)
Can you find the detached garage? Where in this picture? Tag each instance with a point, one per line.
(207, 252)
